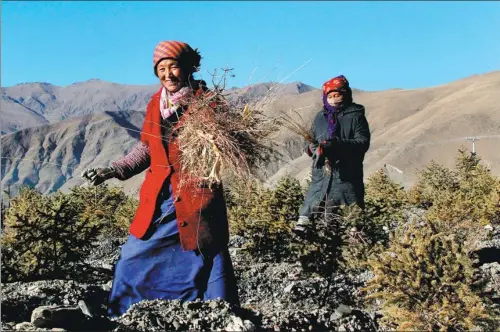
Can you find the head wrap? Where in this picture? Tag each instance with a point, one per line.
(177, 50)
(340, 84)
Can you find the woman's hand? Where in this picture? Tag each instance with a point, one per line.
(96, 176)
(330, 146)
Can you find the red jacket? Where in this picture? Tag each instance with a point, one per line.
(201, 212)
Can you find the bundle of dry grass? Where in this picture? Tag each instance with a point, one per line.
(219, 140)
(296, 124)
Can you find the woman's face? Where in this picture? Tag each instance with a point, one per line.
(171, 75)
(334, 98)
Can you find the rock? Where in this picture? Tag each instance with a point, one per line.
(57, 316)
(249, 326)
(84, 308)
(491, 275)
(194, 305)
(19, 299)
(238, 324)
(488, 251)
(276, 296)
(335, 316)
(107, 286)
(237, 241)
(289, 288)
(175, 315)
(343, 310)
(24, 326)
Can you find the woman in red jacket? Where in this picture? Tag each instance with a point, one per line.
(178, 243)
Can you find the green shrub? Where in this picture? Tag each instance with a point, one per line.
(432, 181)
(286, 200)
(385, 200)
(423, 282)
(265, 217)
(462, 200)
(385, 206)
(106, 206)
(319, 250)
(361, 232)
(479, 188)
(361, 236)
(44, 236)
(124, 215)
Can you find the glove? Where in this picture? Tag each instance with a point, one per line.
(330, 145)
(96, 176)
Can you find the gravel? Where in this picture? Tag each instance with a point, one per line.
(274, 297)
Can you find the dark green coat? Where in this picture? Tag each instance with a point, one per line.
(344, 184)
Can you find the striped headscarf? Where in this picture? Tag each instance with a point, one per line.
(180, 51)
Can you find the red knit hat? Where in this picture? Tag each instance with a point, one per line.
(176, 50)
(335, 84)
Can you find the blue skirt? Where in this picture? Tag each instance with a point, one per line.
(158, 268)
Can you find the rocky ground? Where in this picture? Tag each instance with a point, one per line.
(274, 297)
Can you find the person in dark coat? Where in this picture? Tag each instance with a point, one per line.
(177, 247)
(342, 137)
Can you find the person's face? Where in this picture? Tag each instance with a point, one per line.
(334, 98)
(171, 75)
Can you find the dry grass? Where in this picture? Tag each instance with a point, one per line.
(218, 139)
(298, 126)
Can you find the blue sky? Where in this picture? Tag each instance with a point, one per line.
(377, 45)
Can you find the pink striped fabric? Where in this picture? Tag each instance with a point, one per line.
(136, 161)
(166, 108)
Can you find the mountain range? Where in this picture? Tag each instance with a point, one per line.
(50, 134)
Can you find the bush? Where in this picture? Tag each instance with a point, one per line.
(344, 237)
(286, 200)
(463, 200)
(124, 215)
(361, 236)
(385, 206)
(106, 206)
(245, 203)
(431, 183)
(423, 282)
(265, 217)
(363, 232)
(479, 189)
(318, 250)
(44, 236)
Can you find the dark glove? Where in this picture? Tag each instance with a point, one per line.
(329, 146)
(96, 176)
